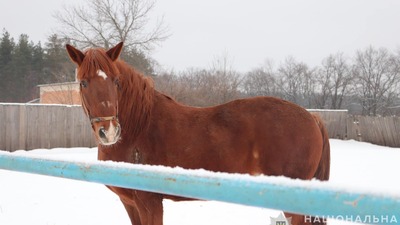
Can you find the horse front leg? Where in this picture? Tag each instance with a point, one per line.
(150, 208)
(132, 213)
(143, 208)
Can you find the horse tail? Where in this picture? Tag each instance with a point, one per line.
(324, 165)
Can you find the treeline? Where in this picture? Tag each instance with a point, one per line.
(25, 64)
(367, 83)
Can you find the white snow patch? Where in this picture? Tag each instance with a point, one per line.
(58, 201)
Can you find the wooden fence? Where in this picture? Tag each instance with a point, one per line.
(335, 122)
(377, 130)
(32, 126)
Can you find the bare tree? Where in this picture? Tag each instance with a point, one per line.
(174, 86)
(201, 87)
(224, 81)
(296, 82)
(103, 23)
(378, 75)
(207, 87)
(334, 79)
(261, 81)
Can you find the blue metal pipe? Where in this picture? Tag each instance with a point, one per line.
(302, 197)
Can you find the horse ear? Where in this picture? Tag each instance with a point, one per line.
(75, 55)
(114, 52)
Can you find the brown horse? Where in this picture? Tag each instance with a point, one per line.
(135, 123)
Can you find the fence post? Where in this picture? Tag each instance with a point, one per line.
(22, 126)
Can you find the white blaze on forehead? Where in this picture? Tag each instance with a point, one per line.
(102, 74)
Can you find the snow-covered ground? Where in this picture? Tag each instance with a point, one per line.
(41, 200)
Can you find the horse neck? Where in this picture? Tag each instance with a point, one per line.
(135, 102)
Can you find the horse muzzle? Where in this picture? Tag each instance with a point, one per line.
(109, 136)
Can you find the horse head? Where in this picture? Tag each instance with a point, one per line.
(99, 85)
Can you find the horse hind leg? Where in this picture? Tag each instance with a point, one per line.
(323, 169)
(133, 214)
(322, 173)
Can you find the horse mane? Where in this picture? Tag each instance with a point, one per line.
(135, 100)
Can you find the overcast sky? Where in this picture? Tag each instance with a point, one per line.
(249, 32)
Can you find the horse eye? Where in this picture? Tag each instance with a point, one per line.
(84, 83)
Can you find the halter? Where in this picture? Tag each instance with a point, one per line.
(100, 118)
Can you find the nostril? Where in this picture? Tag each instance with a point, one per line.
(102, 133)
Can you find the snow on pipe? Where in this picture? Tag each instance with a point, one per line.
(297, 196)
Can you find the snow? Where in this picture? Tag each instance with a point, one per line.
(35, 199)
